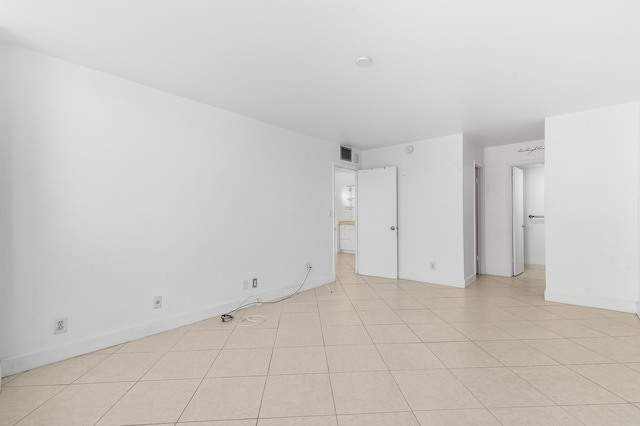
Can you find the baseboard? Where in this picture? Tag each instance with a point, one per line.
(24, 362)
(638, 309)
(499, 272)
(469, 280)
(593, 301)
(433, 279)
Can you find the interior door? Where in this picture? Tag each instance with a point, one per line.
(377, 221)
(518, 221)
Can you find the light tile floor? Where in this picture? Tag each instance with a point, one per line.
(371, 352)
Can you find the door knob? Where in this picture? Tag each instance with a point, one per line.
(393, 228)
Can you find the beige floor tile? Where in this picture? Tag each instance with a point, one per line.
(565, 387)
(160, 342)
(456, 314)
(78, 404)
(569, 328)
(532, 313)
(299, 421)
(385, 287)
(297, 395)
(366, 392)
(182, 365)
(418, 316)
(379, 317)
(346, 335)
(361, 293)
(241, 362)
(567, 352)
(342, 305)
(250, 338)
(128, 367)
(493, 314)
(526, 330)
(612, 348)
(382, 419)
(491, 301)
(225, 399)
(404, 304)
(292, 306)
(462, 355)
(606, 415)
(333, 291)
(408, 356)
(617, 378)
(575, 312)
(152, 402)
(611, 327)
(203, 340)
(434, 303)
(299, 336)
(437, 332)
(332, 319)
(298, 360)
(435, 389)
(499, 387)
(300, 319)
(59, 373)
(246, 422)
(515, 353)
(17, 402)
(475, 417)
(370, 305)
(535, 416)
(481, 331)
(350, 358)
(393, 333)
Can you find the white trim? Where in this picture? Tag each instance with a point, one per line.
(433, 279)
(629, 306)
(469, 280)
(24, 362)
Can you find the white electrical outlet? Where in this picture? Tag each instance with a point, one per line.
(432, 265)
(60, 325)
(157, 302)
(309, 266)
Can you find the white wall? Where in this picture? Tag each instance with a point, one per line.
(430, 207)
(591, 203)
(534, 205)
(498, 161)
(120, 193)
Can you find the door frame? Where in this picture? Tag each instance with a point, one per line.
(332, 213)
(480, 249)
(509, 205)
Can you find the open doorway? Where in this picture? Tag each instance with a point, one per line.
(345, 205)
(528, 220)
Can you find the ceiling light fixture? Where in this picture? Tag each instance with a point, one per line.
(364, 61)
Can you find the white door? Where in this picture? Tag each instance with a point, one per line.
(518, 221)
(377, 223)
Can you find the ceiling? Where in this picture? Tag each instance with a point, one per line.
(492, 69)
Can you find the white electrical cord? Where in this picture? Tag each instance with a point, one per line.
(254, 320)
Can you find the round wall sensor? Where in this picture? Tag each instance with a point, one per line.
(364, 61)
(409, 149)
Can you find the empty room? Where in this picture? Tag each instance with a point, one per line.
(320, 213)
